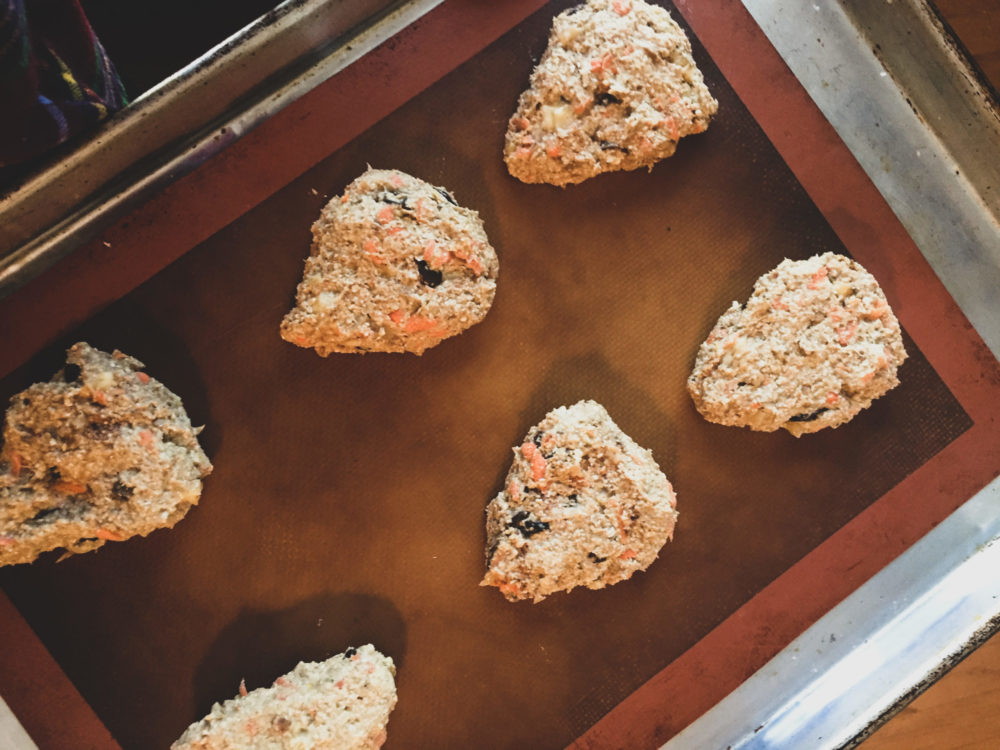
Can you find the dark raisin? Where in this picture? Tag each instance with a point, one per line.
(42, 515)
(53, 475)
(575, 9)
(573, 497)
(350, 652)
(447, 196)
(812, 416)
(84, 540)
(26, 401)
(595, 558)
(742, 384)
(605, 98)
(609, 146)
(527, 525)
(121, 491)
(428, 276)
(71, 372)
(537, 439)
(396, 201)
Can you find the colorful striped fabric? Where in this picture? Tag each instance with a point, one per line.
(55, 79)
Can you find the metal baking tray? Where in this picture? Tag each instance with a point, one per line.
(348, 496)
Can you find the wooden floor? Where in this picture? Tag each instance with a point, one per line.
(962, 710)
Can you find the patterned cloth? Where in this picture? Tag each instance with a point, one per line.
(55, 78)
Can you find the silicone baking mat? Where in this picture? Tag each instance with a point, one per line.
(347, 500)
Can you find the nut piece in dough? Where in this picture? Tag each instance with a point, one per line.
(815, 344)
(396, 266)
(342, 703)
(582, 505)
(616, 89)
(100, 453)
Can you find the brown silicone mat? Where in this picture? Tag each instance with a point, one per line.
(347, 501)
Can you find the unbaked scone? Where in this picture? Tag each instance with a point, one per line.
(616, 88)
(102, 452)
(396, 266)
(815, 344)
(342, 703)
(582, 505)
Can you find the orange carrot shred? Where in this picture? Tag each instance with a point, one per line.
(628, 554)
(243, 688)
(372, 250)
(70, 488)
(832, 397)
(434, 256)
(146, 438)
(396, 180)
(513, 491)
(536, 460)
(385, 215)
(603, 63)
(143, 377)
(109, 535)
(99, 397)
(522, 123)
(622, 7)
(417, 323)
(845, 334)
(672, 129)
(396, 315)
(553, 150)
(15, 464)
(817, 278)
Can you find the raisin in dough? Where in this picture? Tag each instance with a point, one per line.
(616, 88)
(582, 505)
(342, 703)
(815, 344)
(396, 266)
(101, 453)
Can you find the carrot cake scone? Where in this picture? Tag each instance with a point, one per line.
(814, 345)
(342, 703)
(616, 89)
(582, 505)
(396, 266)
(102, 452)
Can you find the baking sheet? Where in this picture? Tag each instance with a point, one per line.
(347, 500)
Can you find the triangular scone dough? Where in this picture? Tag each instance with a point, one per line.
(815, 344)
(616, 89)
(396, 266)
(342, 703)
(582, 505)
(102, 452)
